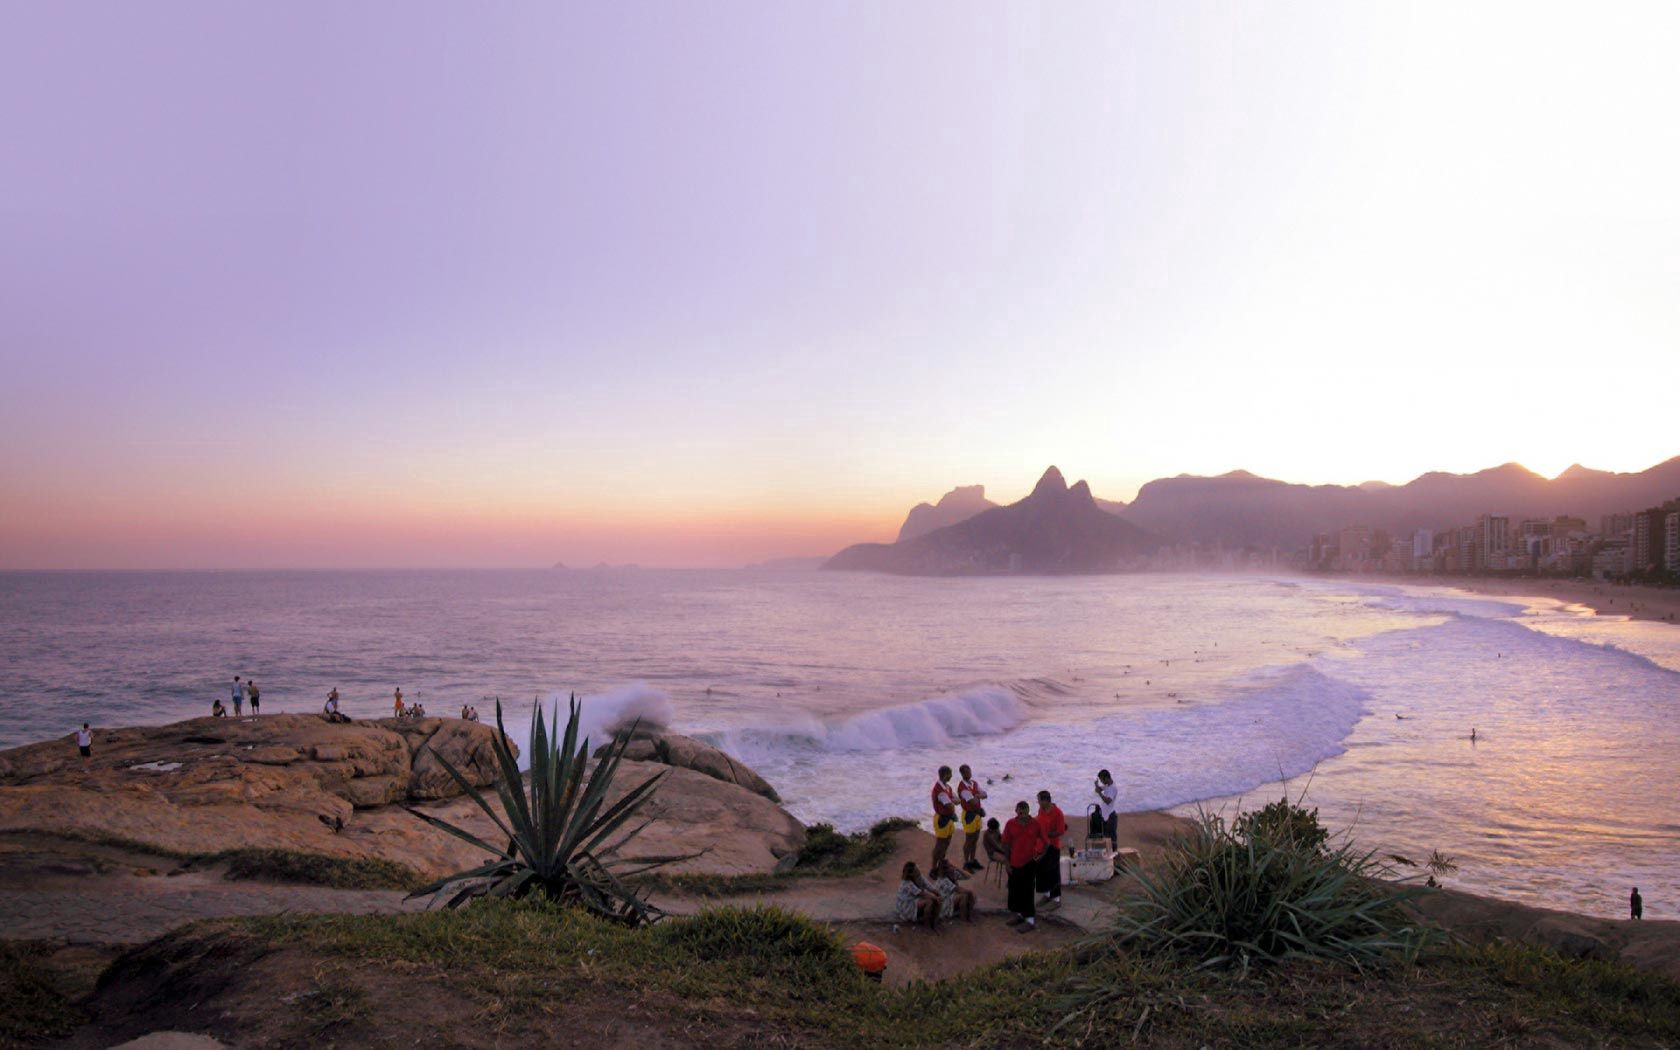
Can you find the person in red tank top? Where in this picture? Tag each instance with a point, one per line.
(1051, 822)
(944, 816)
(1024, 841)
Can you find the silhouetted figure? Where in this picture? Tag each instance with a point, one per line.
(1472, 734)
(1636, 904)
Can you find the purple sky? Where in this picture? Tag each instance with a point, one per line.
(346, 284)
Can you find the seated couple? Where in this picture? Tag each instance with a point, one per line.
(923, 901)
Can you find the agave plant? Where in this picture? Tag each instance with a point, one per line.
(563, 841)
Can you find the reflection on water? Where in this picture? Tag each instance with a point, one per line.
(848, 690)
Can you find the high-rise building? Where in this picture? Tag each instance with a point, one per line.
(1615, 526)
(1423, 544)
(1671, 543)
(1563, 526)
(1646, 548)
(1493, 540)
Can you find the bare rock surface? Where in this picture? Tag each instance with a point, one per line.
(212, 784)
(301, 783)
(685, 752)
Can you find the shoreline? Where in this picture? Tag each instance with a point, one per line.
(1634, 601)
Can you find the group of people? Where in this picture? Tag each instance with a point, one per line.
(1029, 845)
(244, 691)
(469, 713)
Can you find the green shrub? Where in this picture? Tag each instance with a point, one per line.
(564, 842)
(1265, 890)
(1284, 821)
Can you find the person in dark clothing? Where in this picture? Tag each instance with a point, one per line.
(1025, 843)
(1636, 904)
(1051, 822)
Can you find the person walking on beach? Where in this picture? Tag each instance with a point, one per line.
(256, 696)
(1636, 903)
(84, 744)
(1054, 826)
(238, 698)
(969, 795)
(1107, 794)
(1024, 841)
(944, 815)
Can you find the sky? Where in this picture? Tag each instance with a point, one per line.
(431, 284)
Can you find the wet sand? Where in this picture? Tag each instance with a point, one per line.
(1661, 604)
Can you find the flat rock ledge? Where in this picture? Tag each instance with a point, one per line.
(302, 783)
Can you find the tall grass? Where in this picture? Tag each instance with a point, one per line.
(1266, 889)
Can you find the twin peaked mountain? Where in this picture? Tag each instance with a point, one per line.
(1056, 529)
(1063, 530)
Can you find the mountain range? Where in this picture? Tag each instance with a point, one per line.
(1065, 529)
(1056, 529)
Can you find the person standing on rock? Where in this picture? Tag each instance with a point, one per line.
(256, 695)
(1024, 841)
(969, 794)
(397, 704)
(1054, 826)
(944, 815)
(84, 744)
(238, 698)
(1636, 903)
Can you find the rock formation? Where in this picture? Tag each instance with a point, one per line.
(1056, 529)
(960, 504)
(298, 782)
(685, 752)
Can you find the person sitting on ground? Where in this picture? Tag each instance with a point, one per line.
(917, 902)
(217, 710)
(992, 842)
(953, 900)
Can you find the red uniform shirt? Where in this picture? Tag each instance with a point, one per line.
(1024, 840)
(944, 800)
(968, 794)
(1051, 822)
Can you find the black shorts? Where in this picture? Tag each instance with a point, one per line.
(86, 750)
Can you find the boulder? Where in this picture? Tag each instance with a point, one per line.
(211, 784)
(685, 752)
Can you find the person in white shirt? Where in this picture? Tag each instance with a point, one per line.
(1107, 793)
(84, 742)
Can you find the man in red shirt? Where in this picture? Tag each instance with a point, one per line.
(1051, 822)
(944, 816)
(1024, 840)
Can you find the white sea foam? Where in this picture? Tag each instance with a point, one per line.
(935, 722)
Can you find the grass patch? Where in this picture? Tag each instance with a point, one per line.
(32, 1007)
(314, 869)
(827, 853)
(777, 973)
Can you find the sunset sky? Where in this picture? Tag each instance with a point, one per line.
(428, 284)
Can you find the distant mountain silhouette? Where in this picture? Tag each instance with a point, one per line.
(960, 504)
(1055, 529)
(1240, 509)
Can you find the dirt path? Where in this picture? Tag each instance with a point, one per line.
(82, 894)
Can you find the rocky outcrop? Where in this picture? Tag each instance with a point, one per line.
(1056, 529)
(298, 782)
(685, 752)
(960, 504)
(210, 784)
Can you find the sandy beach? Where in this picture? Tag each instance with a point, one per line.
(1637, 602)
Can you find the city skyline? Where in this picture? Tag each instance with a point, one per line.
(707, 287)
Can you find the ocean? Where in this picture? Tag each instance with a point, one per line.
(848, 690)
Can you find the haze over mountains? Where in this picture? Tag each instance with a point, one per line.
(1053, 530)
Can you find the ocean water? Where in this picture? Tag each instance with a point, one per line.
(848, 690)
